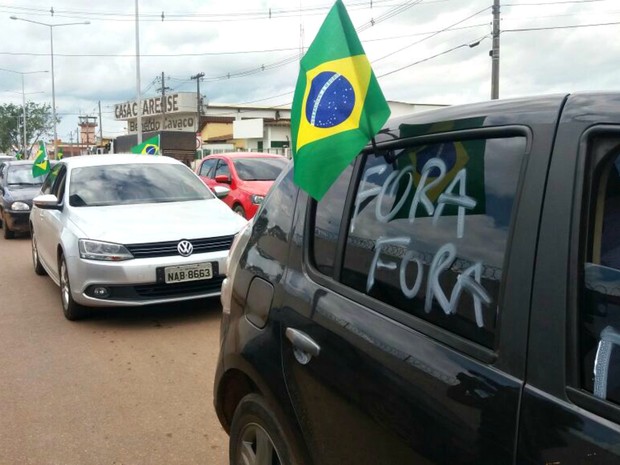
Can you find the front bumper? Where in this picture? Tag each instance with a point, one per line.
(137, 282)
(17, 220)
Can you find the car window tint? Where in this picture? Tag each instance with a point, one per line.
(134, 183)
(58, 188)
(46, 188)
(328, 215)
(222, 168)
(600, 315)
(428, 231)
(207, 166)
(259, 169)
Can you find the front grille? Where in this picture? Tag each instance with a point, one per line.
(165, 249)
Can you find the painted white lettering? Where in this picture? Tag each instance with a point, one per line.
(376, 260)
(408, 258)
(391, 184)
(470, 281)
(461, 200)
(442, 260)
(363, 194)
(422, 189)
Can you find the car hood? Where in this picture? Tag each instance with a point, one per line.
(157, 222)
(24, 193)
(256, 187)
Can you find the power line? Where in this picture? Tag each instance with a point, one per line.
(573, 26)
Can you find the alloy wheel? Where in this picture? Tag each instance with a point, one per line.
(257, 447)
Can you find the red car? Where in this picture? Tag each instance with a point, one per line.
(248, 175)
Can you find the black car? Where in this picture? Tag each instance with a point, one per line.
(18, 188)
(453, 299)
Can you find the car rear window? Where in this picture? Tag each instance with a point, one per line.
(134, 183)
(259, 169)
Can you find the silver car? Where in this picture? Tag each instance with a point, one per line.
(127, 230)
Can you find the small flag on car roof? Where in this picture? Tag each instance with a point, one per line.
(338, 105)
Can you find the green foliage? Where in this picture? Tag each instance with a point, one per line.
(39, 124)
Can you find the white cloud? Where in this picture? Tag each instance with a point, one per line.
(532, 63)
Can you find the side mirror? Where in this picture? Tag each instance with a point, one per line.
(222, 178)
(46, 202)
(221, 191)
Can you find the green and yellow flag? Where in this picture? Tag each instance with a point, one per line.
(60, 154)
(338, 105)
(148, 147)
(41, 165)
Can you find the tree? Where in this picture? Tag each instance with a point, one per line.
(39, 123)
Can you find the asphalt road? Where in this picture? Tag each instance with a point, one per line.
(130, 387)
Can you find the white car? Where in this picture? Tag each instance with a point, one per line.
(128, 230)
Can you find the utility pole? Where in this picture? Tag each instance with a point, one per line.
(100, 125)
(163, 100)
(198, 99)
(495, 53)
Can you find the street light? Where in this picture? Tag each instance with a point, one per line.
(23, 101)
(52, 26)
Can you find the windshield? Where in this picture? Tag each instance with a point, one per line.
(134, 183)
(21, 175)
(259, 169)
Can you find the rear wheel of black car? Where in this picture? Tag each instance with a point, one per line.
(36, 263)
(71, 309)
(258, 438)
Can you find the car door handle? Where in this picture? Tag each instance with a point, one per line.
(304, 347)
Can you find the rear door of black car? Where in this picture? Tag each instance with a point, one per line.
(407, 343)
(571, 404)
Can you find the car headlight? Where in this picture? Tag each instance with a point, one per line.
(97, 250)
(20, 206)
(257, 199)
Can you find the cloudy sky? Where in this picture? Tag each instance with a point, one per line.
(248, 50)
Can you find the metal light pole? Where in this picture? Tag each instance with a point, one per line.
(139, 119)
(52, 26)
(24, 140)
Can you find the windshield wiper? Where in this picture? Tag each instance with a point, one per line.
(23, 184)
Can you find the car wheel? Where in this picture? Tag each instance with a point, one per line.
(36, 263)
(71, 309)
(257, 437)
(238, 209)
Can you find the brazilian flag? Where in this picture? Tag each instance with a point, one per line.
(148, 147)
(41, 165)
(338, 105)
(455, 154)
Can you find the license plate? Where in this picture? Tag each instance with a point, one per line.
(184, 273)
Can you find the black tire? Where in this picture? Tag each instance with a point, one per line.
(254, 420)
(239, 210)
(70, 308)
(36, 262)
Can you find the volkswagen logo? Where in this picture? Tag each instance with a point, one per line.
(185, 248)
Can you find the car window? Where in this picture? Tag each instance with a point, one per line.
(134, 183)
(222, 168)
(46, 188)
(327, 218)
(207, 166)
(58, 188)
(21, 175)
(428, 231)
(600, 312)
(259, 169)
